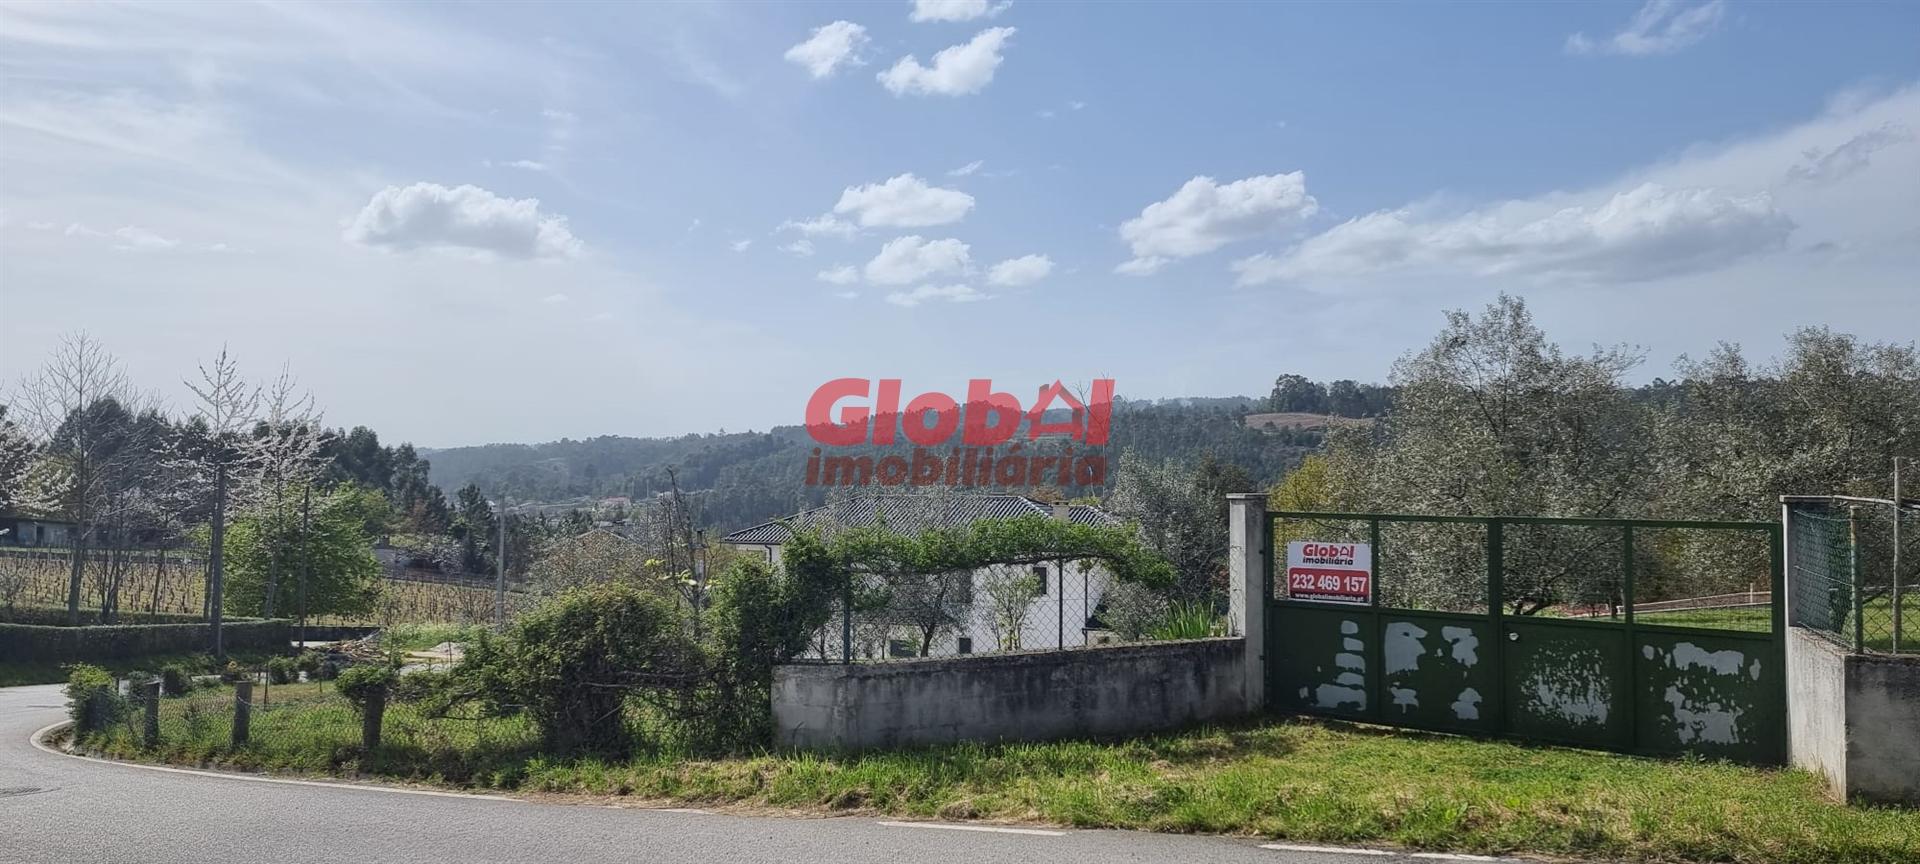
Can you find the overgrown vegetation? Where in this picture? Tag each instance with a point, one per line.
(1295, 780)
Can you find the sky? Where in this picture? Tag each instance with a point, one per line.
(461, 224)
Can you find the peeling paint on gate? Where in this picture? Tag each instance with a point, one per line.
(1432, 671)
(1706, 694)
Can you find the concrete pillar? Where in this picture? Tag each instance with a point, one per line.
(1247, 567)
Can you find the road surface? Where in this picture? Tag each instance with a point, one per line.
(61, 809)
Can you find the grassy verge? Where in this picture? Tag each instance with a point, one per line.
(1303, 781)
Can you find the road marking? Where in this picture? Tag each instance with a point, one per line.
(1453, 856)
(41, 745)
(954, 826)
(1327, 850)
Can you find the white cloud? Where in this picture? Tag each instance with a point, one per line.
(905, 201)
(528, 165)
(740, 245)
(1203, 216)
(831, 47)
(429, 215)
(845, 274)
(847, 295)
(925, 293)
(1141, 266)
(912, 258)
(956, 71)
(1647, 232)
(801, 247)
(555, 298)
(1025, 270)
(967, 169)
(955, 10)
(134, 237)
(820, 226)
(1660, 27)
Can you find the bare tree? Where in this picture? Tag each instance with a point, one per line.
(63, 406)
(282, 457)
(226, 411)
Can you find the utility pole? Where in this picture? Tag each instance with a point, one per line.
(306, 556)
(500, 571)
(217, 537)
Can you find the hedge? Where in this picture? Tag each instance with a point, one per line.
(56, 616)
(36, 643)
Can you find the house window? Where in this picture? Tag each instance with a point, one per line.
(965, 645)
(1040, 573)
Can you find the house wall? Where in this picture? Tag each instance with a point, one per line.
(1032, 695)
(1853, 717)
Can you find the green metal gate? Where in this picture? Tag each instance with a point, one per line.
(1441, 651)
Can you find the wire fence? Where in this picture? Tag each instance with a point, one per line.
(1853, 567)
(1048, 605)
(306, 723)
(147, 582)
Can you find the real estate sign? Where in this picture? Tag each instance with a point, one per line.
(1330, 572)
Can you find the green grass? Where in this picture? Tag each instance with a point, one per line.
(1757, 619)
(1298, 780)
(55, 672)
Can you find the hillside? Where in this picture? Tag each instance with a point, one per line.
(746, 477)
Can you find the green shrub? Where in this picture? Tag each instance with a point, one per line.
(1189, 621)
(572, 662)
(364, 682)
(327, 670)
(95, 697)
(308, 662)
(28, 642)
(281, 670)
(175, 680)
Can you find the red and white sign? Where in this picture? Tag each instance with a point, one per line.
(1330, 572)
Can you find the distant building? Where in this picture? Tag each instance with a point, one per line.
(1064, 610)
(33, 531)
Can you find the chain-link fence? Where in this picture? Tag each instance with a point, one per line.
(244, 719)
(1853, 567)
(1045, 605)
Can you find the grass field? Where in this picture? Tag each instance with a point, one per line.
(1297, 780)
(1877, 613)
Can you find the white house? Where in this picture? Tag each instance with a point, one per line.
(977, 611)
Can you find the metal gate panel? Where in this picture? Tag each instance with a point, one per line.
(1583, 681)
(1320, 661)
(1438, 671)
(1710, 693)
(1568, 682)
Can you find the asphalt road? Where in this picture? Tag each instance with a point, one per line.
(61, 809)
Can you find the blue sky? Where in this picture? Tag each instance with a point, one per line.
(460, 224)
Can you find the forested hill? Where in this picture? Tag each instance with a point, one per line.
(747, 477)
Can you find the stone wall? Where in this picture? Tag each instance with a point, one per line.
(1034, 695)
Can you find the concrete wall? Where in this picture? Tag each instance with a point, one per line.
(1883, 726)
(1033, 695)
(1816, 706)
(1854, 718)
